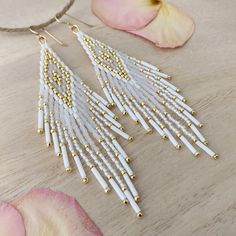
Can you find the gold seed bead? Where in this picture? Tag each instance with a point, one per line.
(137, 198)
(68, 169)
(40, 131)
(125, 201)
(196, 154)
(49, 144)
(58, 154)
(139, 215)
(130, 138)
(85, 180)
(107, 190)
(178, 146)
(132, 177)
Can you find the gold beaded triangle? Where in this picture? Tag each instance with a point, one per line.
(57, 77)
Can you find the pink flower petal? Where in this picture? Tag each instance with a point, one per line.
(125, 14)
(48, 212)
(171, 28)
(11, 221)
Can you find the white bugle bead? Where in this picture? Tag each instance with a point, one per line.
(171, 138)
(80, 167)
(47, 134)
(119, 105)
(189, 146)
(131, 114)
(65, 158)
(107, 95)
(117, 190)
(98, 97)
(149, 65)
(106, 110)
(56, 144)
(156, 127)
(114, 122)
(206, 149)
(119, 148)
(193, 119)
(120, 132)
(40, 121)
(125, 165)
(163, 75)
(142, 121)
(176, 94)
(184, 105)
(168, 84)
(131, 186)
(196, 131)
(100, 179)
(133, 204)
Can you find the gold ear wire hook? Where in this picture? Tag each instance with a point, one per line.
(54, 38)
(41, 38)
(74, 28)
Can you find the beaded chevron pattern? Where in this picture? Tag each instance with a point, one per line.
(142, 91)
(77, 122)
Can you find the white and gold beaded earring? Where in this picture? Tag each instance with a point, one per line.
(77, 122)
(142, 91)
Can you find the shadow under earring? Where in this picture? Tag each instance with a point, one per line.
(77, 122)
(142, 91)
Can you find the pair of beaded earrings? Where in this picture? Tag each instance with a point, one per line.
(79, 123)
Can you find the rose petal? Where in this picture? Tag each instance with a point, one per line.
(171, 28)
(50, 213)
(11, 221)
(126, 14)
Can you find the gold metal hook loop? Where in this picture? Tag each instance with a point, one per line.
(73, 28)
(41, 38)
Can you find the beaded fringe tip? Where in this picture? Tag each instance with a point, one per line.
(142, 91)
(80, 127)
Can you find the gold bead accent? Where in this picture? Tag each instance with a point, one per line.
(107, 190)
(125, 113)
(128, 159)
(123, 189)
(40, 131)
(58, 154)
(139, 215)
(109, 105)
(68, 169)
(85, 180)
(200, 125)
(132, 177)
(177, 90)
(164, 137)
(193, 113)
(49, 144)
(137, 198)
(215, 157)
(178, 146)
(196, 154)
(130, 138)
(125, 201)
(136, 122)
(91, 166)
(123, 171)
(206, 143)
